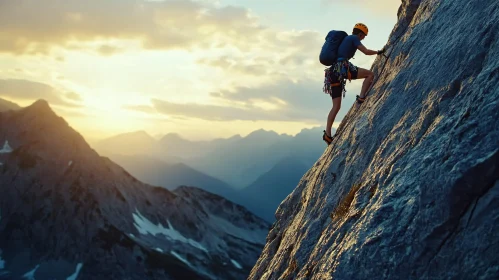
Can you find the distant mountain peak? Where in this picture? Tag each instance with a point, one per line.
(104, 211)
(137, 135)
(129, 143)
(143, 134)
(262, 130)
(304, 130)
(40, 115)
(41, 106)
(262, 133)
(172, 136)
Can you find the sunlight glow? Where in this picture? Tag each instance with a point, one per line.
(103, 72)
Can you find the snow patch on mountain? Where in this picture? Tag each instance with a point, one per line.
(144, 226)
(236, 264)
(159, 250)
(30, 275)
(6, 148)
(176, 255)
(74, 276)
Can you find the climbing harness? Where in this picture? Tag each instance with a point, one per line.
(337, 75)
(331, 81)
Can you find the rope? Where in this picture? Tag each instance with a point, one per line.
(340, 70)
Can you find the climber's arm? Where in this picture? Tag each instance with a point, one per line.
(366, 51)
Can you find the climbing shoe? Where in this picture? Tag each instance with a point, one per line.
(328, 139)
(360, 100)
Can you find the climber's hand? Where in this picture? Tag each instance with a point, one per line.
(382, 51)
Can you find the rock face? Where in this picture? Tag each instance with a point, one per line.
(409, 189)
(67, 213)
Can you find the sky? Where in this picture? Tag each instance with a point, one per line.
(203, 69)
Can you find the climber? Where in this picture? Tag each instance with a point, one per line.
(344, 69)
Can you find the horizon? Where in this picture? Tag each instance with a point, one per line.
(159, 136)
(232, 68)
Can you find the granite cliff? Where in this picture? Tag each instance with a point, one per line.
(409, 187)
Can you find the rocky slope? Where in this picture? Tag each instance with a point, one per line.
(67, 213)
(287, 161)
(159, 173)
(409, 187)
(6, 105)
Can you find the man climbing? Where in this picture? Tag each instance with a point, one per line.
(343, 69)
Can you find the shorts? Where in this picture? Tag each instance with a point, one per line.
(336, 91)
(336, 71)
(354, 71)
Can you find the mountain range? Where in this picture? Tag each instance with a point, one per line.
(257, 171)
(66, 213)
(171, 175)
(274, 166)
(238, 161)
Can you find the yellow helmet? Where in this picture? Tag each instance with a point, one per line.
(362, 27)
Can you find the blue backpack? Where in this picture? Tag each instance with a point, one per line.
(329, 52)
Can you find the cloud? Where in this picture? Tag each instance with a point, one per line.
(232, 39)
(296, 100)
(107, 50)
(284, 52)
(73, 112)
(33, 26)
(238, 65)
(212, 112)
(17, 89)
(140, 108)
(302, 101)
(73, 96)
(385, 7)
